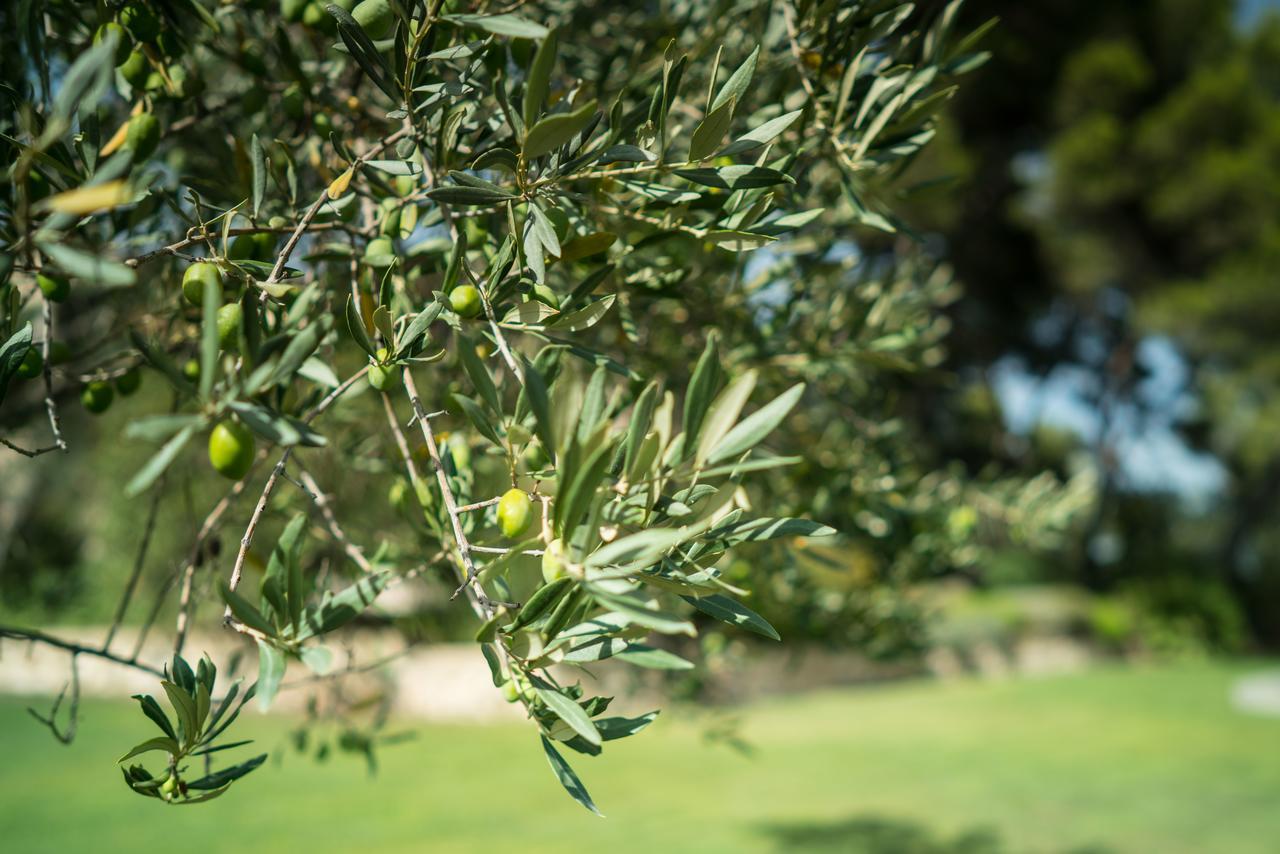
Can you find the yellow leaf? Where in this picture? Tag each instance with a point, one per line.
(87, 200)
(117, 140)
(339, 185)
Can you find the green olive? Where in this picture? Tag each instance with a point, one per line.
(317, 18)
(196, 277)
(123, 48)
(229, 317)
(293, 102)
(259, 246)
(55, 288)
(543, 294)
(191, 369)
(97, 397)
(390, 224)
(292, 10)
(128, 382)
(465, 300)
(143, 135)
(375, 17)
(231, 448)
(135, 69)
(460, 451)
(141, 22)
(553, 561)
(32, 364)
(515, 513)
(379, 253)
(383, 376)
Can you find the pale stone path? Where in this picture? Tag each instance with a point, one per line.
(1258, 693)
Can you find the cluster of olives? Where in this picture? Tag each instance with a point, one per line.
(194, 280)
(376, 17)
(97, 395)
(140, 36)
(231, 445)
(515, 516)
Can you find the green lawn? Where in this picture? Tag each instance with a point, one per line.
(1116, 760)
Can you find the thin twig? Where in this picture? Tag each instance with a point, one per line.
(37, 636)
(55, 424)
(247, 539)
(479, 602)
(446, 492)
(29, 453)
(305, 222)
(322, 501)
(73, 715)
(138, 562)
(187, 567)
(203, 235)
(479, 504)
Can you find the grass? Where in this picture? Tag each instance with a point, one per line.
(1149, 759)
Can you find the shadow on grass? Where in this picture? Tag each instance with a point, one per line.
(873, 834)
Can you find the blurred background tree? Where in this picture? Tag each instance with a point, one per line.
(1117, 232)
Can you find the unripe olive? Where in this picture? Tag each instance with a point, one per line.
(292, 10)
(186, 84)
(379, 252)
(465, 300)
(316, 17)
(55, 288)
(191, 369)
(398, 494)
(515, 513)
(321, 123)
(141, 22)
(32, 364)
(128, 382)
(390, 225)
(231, 448)
(510, 691)
(406, 184)
(122, 41)
(252, 247)
(143, 135)
(535, 457)
(382, 376)
(543, 294)
(460, 451)
(229, 325)
(169, 787)
(292, 102)
(553, 561)
(375, 17)
(135, 69)
(195, 277)
(97, 397)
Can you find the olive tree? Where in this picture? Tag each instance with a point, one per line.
(552, 274)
